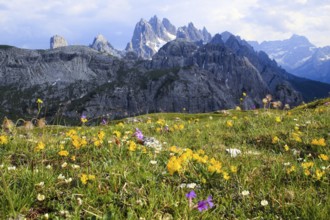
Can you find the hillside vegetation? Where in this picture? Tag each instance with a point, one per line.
(259, 164)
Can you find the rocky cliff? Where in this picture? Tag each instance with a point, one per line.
(57, 41)
(77, 80)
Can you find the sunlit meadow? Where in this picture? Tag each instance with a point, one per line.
(258, 164)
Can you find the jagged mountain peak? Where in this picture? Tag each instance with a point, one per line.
(217, 39)
(225, 35)
(101, 44)
(154, 19)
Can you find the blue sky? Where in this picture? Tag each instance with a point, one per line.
(31, 23)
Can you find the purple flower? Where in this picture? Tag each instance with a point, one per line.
(191, 195)
(205, 204)
(104, 122)
(138, 134)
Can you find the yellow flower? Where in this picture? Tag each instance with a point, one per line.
(40, 146)
(101, 135)
(132, 146)
(121, 124)
(229, 123)
(324, 157)
(275, 140)
(307, 172)
(278, 119)
(83, 119)
(39, 101)
(244, 94)
(73, 158)
(226, 176)
(307, 165)
(201, 152)
(91, 177)
(174, 165)
(161, 122)
(291, 169)
(296, 137)
(238, 108)
(117, 134)
(3, 139)
(97, 142)
(63, 153)
(233, 169)
(286, 147)
(149, 121)
(320, 142)
(319, 174)
(84, 179)
(71, 133)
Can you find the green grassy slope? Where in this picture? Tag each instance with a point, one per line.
(105, 172)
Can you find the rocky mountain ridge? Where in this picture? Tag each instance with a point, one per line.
(298, 56)
(198, 77)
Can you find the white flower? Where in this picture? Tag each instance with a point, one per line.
(191, 185)
(153, 162)
(245, 193)
(40, 197)
(49, 167)
(64, 164)
(287, 164)
(61, 177)
(74, 166)
(233, 152)
(68, 180)
(1, 165)
(79, 201)
(41, 184)
(46, 216)
(183, 185)
(264, 202)
(11, 168)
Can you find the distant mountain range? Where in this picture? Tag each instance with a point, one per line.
(298, 56)
(162, 69)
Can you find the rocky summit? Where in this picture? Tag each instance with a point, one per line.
(57, 41)
(101, 44)
(194, 76)
(150, 36)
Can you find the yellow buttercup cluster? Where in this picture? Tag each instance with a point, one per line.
(319, 142)
(84, 178)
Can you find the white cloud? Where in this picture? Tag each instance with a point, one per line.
(25, 20)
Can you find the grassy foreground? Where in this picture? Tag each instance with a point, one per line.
(183, 170)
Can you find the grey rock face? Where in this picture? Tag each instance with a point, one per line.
(149, 36)
(57, 41)
(77, 80)
(191, 33)
(101, 44)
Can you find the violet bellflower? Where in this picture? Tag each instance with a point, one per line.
(190, 196)
(138, 134)
(205, 204)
